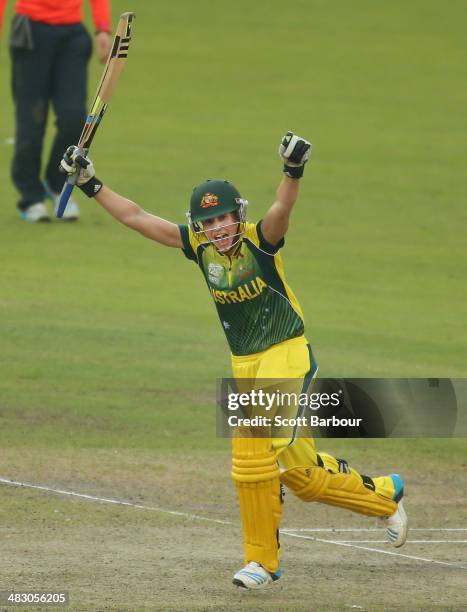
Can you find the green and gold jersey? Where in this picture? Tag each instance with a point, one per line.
(255, 305)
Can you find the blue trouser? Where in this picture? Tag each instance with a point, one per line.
(53, 70)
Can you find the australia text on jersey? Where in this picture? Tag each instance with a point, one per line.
(248, 291)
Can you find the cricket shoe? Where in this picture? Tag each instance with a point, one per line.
(35, 213)
(397, 523)
(71, 212)
(254, 576)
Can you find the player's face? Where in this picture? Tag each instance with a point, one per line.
(222, 231)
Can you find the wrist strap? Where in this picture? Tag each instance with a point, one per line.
(92, 187)
(295, 172)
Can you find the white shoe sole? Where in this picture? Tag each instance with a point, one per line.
(397, 535)
(255, 580)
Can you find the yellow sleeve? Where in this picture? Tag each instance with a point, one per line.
(253, 232)
(190, 243)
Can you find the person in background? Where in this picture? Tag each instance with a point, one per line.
(50, 50)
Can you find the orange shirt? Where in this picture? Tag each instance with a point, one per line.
(62, 12)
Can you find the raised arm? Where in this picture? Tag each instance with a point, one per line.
(295, 152)
(122, 209)
(276, 221)
(135, 217)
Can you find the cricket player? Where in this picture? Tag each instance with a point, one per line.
(263, 322)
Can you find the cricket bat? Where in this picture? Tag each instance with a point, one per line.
(112, 71)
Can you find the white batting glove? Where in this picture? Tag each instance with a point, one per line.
(75, 162)
(295, 151)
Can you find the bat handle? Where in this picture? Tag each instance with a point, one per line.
(65, 195)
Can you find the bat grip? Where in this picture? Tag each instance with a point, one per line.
(68, 187)
(65, 196)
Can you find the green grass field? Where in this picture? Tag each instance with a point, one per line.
(111, 343)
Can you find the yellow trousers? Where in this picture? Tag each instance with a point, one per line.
(260, 465)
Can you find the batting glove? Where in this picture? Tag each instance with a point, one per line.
(74, 162)
(295, 152)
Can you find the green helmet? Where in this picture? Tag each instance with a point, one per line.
(213, 198)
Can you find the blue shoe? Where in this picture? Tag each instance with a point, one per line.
(254, 576)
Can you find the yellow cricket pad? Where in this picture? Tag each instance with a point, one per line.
(257, 478)
(345, 490)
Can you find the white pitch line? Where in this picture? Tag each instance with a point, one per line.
(354, 530)
(407, 541)
(114, 501)
(378, 550)
(197, 517)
